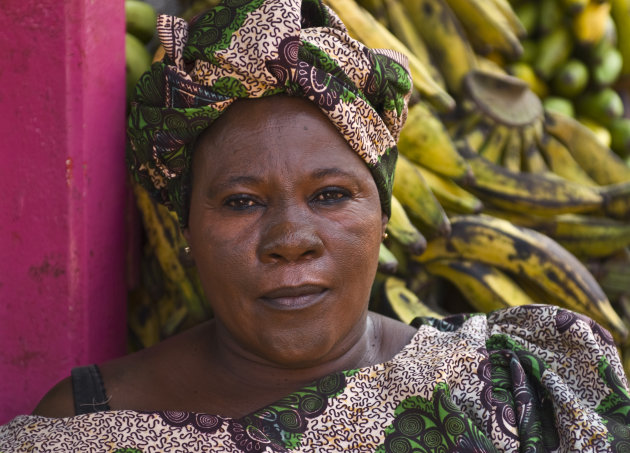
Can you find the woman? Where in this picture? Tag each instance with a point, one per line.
(284, 199)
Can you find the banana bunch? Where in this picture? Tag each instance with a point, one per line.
(575, 57)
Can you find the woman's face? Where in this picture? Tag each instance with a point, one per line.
(285, 225)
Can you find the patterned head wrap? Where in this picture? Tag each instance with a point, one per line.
(255, 48)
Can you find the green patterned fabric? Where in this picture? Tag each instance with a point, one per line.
(256, 48)
(529, 378)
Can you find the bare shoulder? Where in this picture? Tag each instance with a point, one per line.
(58, 402)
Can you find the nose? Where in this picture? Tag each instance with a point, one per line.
(290, 236)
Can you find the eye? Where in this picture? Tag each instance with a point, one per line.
(331, 195)
(241, 202)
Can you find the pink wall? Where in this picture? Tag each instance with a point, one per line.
(62, 181)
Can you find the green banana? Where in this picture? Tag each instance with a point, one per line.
(485, 287)
(425, 141)
(445, 39)
(559, 104)
(401, 229)
(554, 50)
(599, 162)
(536, 193)
(608, 67)
(420, 203)
(602, 106)
(404, 303)
(571, 78)
(527, 13)
(550, 17)
(530, 254)
(137, 61)
(140, 19)
(620, 136)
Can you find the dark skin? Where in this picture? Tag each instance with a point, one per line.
(285, 226)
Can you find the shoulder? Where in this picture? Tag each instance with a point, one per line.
(58, 402)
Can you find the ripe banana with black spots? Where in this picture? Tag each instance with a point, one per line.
(485, 287)
(599, 161)
(387, 262)
(404, 303)
(536, 193)
(420, 203)
(562, 162)
(530, 254)
(425, 141)
(452, 197)
(401, 229)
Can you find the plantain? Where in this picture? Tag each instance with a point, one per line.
(425, 141)
(485, 287)
(559, 104)
(362, 26)
(589, 25)
(140, 19)
(492, 149)
(536, 193)
(404, 29)
(526, 73)
(419, 202)
(447, 43)
(561, 162)
(529, 254)
(512, 152)
(620, 12)
(571, 79)
(603, 105)
(487, 27)
(554, 50)
(404, 303)
(599, 162)
(603, 135)
(451, 196)
(401, 229)
(617, 200)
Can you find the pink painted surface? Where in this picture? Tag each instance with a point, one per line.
(62, 180)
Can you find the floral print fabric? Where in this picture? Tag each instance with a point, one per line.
(532, 378)
(256, 48)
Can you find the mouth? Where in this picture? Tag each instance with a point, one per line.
(294, 297)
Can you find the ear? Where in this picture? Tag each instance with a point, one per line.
(384, 220)
(186, 233)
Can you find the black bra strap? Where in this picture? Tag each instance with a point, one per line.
(88, 390)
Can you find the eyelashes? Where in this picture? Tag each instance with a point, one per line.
(326, 197)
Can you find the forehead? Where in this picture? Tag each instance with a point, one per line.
(279, 132)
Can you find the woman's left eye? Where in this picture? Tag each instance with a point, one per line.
(332, 195)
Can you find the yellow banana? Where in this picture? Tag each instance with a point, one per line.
(562, 162)
(415, 195)
(512, 151)
(512, 19)
(445, 39)
(387, 262)
(584, 236)
(526, 73)
(486, 27)
(589, 25)
(600, 131)
(536, 193)
(404, 29)
(599, 161)
(425, 141)
(617, 200)
(485, 287)
(401, 229)
(451, 196)
(530, 254)
(372, 33)
(404, 303)
(492, 149)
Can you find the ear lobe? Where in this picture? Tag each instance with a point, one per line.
(384, 220)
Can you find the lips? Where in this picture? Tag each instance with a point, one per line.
(294, 297)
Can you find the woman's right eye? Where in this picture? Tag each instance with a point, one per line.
(240, 202)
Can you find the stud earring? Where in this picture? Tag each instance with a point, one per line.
(385, 236)
(187, 250)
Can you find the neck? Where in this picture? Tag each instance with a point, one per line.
(359, 349)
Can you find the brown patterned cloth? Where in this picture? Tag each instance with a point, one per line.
(529, 378)
(256, 48)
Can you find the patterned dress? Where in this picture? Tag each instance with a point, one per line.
(533, 378)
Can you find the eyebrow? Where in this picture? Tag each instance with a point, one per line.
(246, 180)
